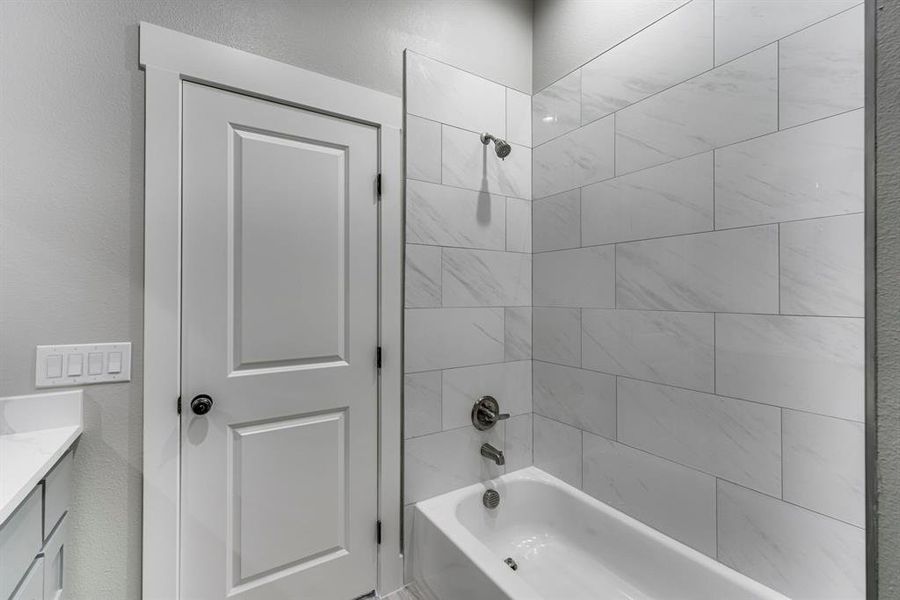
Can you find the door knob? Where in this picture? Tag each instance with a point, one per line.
(201, 404)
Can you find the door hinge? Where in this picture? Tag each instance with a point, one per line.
(378, 185)
(179, 405)
(378, 532)
(378, 357)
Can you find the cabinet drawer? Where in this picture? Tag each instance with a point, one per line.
(32, 587)
(20, 542)
(57, 491)
(54, 562)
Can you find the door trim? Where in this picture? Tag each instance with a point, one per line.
(169, 58)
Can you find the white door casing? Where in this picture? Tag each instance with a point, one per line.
(279, 327)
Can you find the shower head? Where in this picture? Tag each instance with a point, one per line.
(501, 147)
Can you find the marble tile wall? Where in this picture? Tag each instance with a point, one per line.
(468, 276)
(698, 285)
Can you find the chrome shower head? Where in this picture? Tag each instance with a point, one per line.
(501, 147)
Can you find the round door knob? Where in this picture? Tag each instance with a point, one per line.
(201, 404)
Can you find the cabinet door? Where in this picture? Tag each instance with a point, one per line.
(54, 558)
(32, 587)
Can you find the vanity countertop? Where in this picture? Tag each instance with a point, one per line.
(35, 432)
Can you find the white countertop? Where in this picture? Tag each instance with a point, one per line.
(35, 432)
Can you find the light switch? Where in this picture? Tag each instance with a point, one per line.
(74, 365)
(95, 363)
(54, 366)
(115, 362)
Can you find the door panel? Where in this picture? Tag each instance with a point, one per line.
(279, 479)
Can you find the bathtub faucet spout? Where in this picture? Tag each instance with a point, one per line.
(492, 453)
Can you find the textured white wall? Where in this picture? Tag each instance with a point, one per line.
(71, 190)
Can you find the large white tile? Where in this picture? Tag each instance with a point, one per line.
(440, 338)
(440, 215)
(444, 461)
(825, 465)
(814, 170)
(518, 117)
(486, 278)
(421, 403)
(580, 398)
(557, 335)
(745, 25)
(799, 553)
(666, 347)
(675, 48)
(733, 439)
(733, 271)
(518, 450)
(821, 69)
(439, 92)
(557, 450)
(423, 276)
(518, 225)
(823, 266)
(557, 221)
(509, 383)
(808, 363)
(583, 277)
(517, 333)
(678, 501)
(731, 103)
(556, 109)
(580, 157)
(669, 199)
(467, 163)
(423, 149)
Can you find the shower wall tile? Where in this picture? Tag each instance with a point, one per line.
(677, 47)
(509, 383)
(580, 398)
(518, 449)
(823, 266)
(446, 216)
(797, 552)
(821, 69)
(557, 221)
(665, 347)
(557, 450)
(584, 277)
(485, 278)
(517, 333)
(580, 157)
(557, 335)
(678, 501)
(814, 170)
(745, 25)
(437, 91)
(448, 460)
(518, 117)
(732, 439)
(423, 149)
(806, 363)
(670, 199)
(422, 403)
(467, 163)
(731, 103)
(441, 338)
(423, 276)
(556, 109)
(733, 271)
(824, 465)
(518, 225)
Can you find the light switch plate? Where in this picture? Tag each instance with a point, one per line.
(54, 363)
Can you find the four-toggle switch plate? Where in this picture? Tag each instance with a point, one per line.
(81, 364)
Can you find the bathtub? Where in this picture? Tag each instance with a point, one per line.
(566, 546)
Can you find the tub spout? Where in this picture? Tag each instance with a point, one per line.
(492, 453)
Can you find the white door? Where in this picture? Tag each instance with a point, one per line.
(280, 280)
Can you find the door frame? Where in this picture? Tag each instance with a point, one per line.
(168, 59)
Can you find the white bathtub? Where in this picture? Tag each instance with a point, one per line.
(567, 545)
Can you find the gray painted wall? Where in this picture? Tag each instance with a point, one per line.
(71, 191)
(887, 294)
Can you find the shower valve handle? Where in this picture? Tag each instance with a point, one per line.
(486, 413)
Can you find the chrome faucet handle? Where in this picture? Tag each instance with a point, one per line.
(486, 413)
